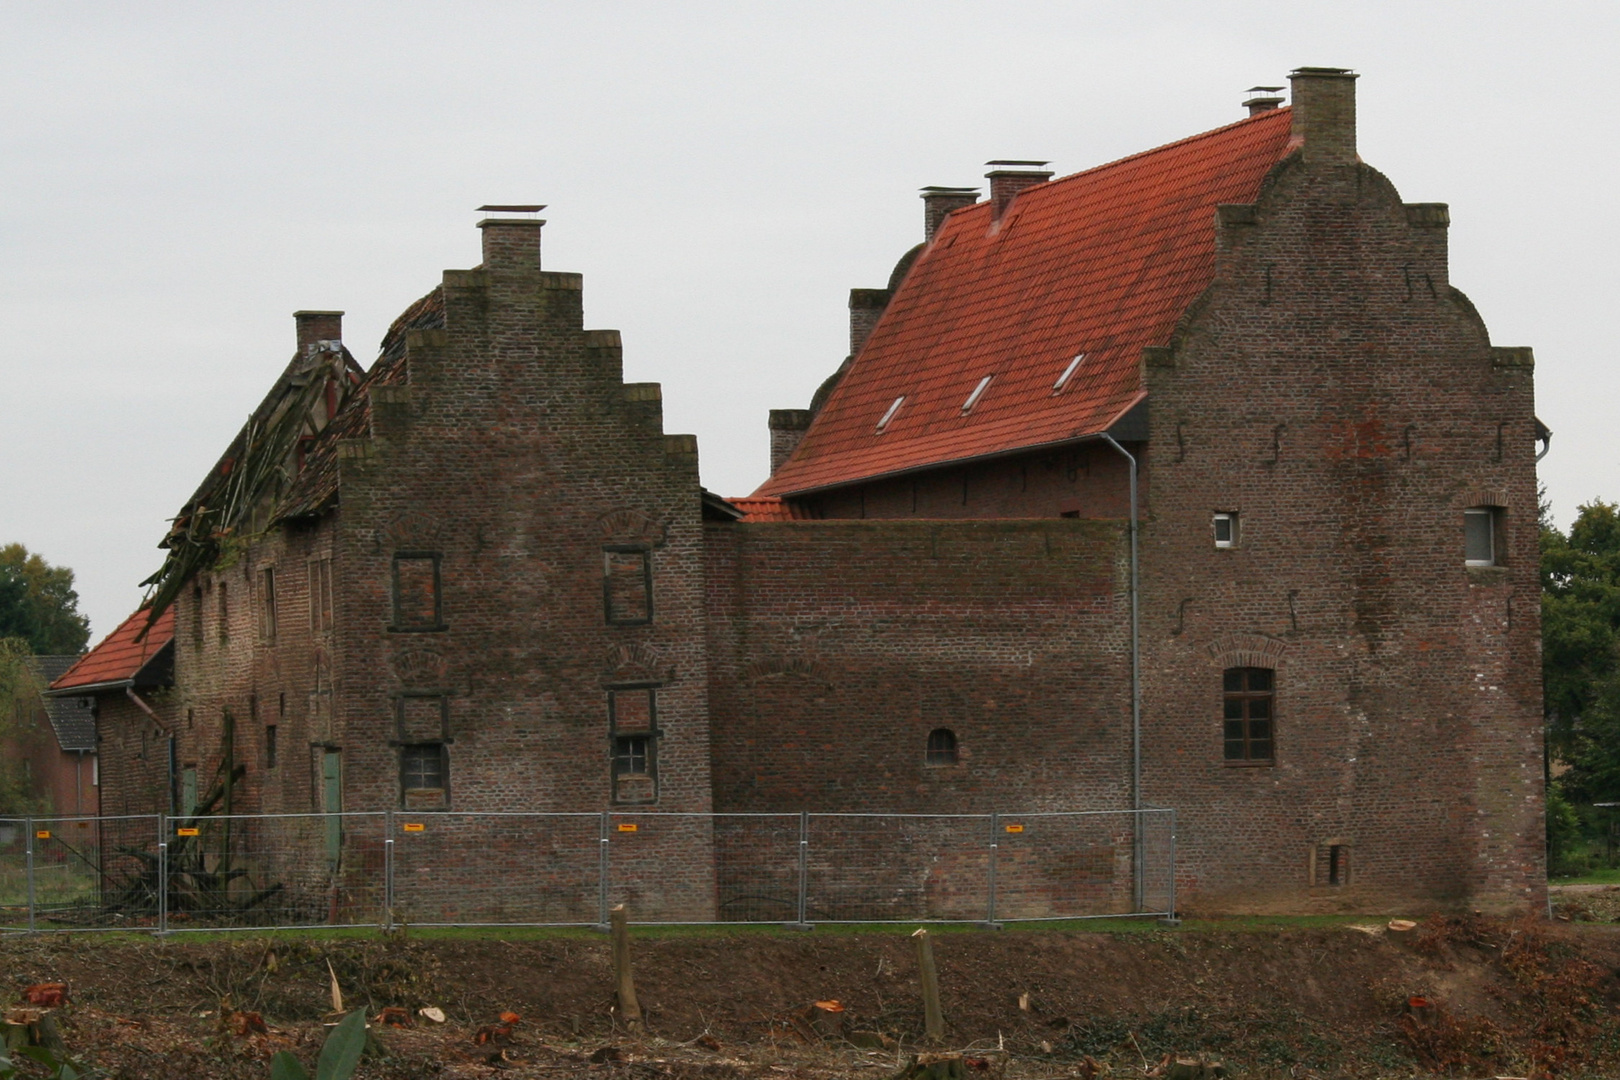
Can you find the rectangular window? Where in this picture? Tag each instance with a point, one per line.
(320, 596)
(631, 755)
(1330, 863)
(1247, 720)
(633, 744)
(627, 585)
(224, 614)
(1481, 524)
(424, 776)
(270, 746)
(1226, 529)
(267, 605)
(417, 604)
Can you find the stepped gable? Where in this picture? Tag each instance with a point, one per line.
(317, 483)
(1102, 263)
(121, 655)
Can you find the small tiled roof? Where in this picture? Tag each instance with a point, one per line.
(316, 485)
(71, 720)
(1102, 263)
(757, 508)
(120, 656)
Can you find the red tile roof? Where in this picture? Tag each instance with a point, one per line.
(120, 657)
(767, 509)
(1103, 263)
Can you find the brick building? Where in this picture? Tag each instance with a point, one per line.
(1188, 480)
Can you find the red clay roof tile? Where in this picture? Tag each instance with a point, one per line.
(1102, 263)
(120, 656)
(767, 509)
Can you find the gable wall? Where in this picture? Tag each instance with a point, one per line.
(1335, 391)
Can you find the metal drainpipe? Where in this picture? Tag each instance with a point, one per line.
(1136, 682)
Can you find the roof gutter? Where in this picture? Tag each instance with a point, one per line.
(87, 688)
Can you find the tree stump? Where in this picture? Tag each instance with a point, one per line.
(934, 1067)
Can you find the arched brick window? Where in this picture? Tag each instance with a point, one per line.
(941, 747)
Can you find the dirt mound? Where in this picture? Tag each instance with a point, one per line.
(1466, 997)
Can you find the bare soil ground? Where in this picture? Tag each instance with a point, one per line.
(1520, 999)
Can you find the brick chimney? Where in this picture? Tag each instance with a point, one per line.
(1324, 120)
(512, 242)
(315, 327)
(787, 428)
(866, 307)
(1008, 178)
(939, 201)
(1263, 99)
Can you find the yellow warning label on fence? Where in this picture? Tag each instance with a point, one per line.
(1015, 828)
(187, 832)
(625, 826)
(43, 834)
(414, 826)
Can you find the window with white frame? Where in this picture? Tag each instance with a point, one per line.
(1225, 525)
(1482, 536)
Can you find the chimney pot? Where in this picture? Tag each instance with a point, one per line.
(512, 243)
(940, 201)
(316, 327)
(1263, 99)
(1009, 177)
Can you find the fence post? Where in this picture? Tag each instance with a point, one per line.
(163, 873)
(1172, 867)
(802, 908)
(28, 854)
(388, 870)
(602, 876)
(995, 850)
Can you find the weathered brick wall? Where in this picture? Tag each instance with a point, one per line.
(836, 647)
(517, 455)
(1333, 390)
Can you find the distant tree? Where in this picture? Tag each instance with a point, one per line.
(38, 604)
(19, 703)
(1580, 631)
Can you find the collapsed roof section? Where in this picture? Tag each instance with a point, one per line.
(1026, 330)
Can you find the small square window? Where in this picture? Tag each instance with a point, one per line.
(1226, 529)
(424, 775)
(1481, 527)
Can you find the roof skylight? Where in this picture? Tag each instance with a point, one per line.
(1068, 372)
(978, 392)
(883, 423)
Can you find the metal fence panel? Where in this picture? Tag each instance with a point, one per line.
(245, 871)
(886, 867)
(491, 869)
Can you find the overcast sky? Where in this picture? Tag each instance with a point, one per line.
(177, 179)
